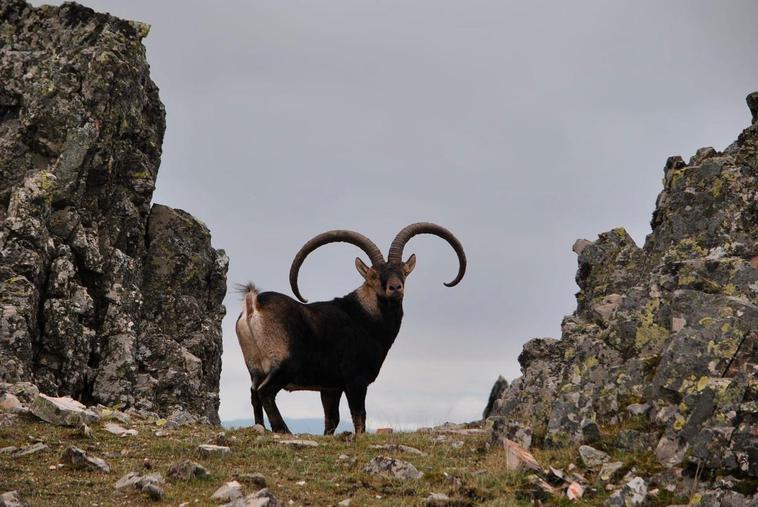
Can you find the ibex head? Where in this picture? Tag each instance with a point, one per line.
(386, 278)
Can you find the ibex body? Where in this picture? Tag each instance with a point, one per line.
(333, 346)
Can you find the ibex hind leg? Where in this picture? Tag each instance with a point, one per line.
(331, 402)
(255, 400)
(267, 392)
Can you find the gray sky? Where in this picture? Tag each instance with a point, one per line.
(519, 126)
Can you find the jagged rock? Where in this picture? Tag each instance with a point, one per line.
(398, 448)
(228, 492)
(720, 498)
(633, 493)
(608, 470)
(392, 468)
(63, 411)
(78, 459)
(10, 403)
(105, 299)
(262, 498)
(148, 484)
(213, 450)
(30, 449)
(636, 441)
(591, 457)
(517, 458)
(11, 499)
(187, 470)
(118, 430)
(497, 390)
(665, 333)
(503, 428)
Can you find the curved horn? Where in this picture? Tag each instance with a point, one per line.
(396, 249)
(340, 235)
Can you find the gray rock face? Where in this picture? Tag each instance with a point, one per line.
(665, 334)
(102, 298)
(392, 468)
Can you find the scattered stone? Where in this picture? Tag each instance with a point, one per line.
(8, 450)
(258, 428)
(384, 431)
(78, 459)
(456, 444)
(516, 457)
(590, 431)
(118, 430)
(299, 443)
(609, 469)
(262, 498)
(398, 448)
(153, 491)
(11, 499)
(344, 503)
(106, 413)
(29, 449)
(633, 493)
(178, 418)
(62, 411)
(209, 450)
(228, 492)
(257, 480)
(635, 441)
(187, 470)
(392, 468)
(638, 409)
(10, 403)
(300, 483)
(670, 452)
(591, 457)
(436, 500)
(575, 491)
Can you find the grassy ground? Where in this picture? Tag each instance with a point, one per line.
(469, 475)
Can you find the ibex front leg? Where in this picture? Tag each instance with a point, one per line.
(356, 399)
(331, 402)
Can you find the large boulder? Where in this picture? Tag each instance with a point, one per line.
(665, 336)
(103, 297)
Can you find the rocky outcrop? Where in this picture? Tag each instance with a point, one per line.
(664, 340)
(102, 297)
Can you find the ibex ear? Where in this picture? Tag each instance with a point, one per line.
(361, 267)
(409, 265)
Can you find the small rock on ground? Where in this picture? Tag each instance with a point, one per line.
(187, 470)
(633, 493)
(213, 450)
(11, 499)
(30, 449)
(392, 468)
(516, 457)
(78, 459)
(591, 457)
(228, 492)
(117, 429)
(62, 411)
(262, 498)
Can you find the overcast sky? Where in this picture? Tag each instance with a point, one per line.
(519, 126)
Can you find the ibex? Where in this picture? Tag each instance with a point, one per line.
(332, 346)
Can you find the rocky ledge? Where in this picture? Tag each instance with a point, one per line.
(661, 354)
(102, 297)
